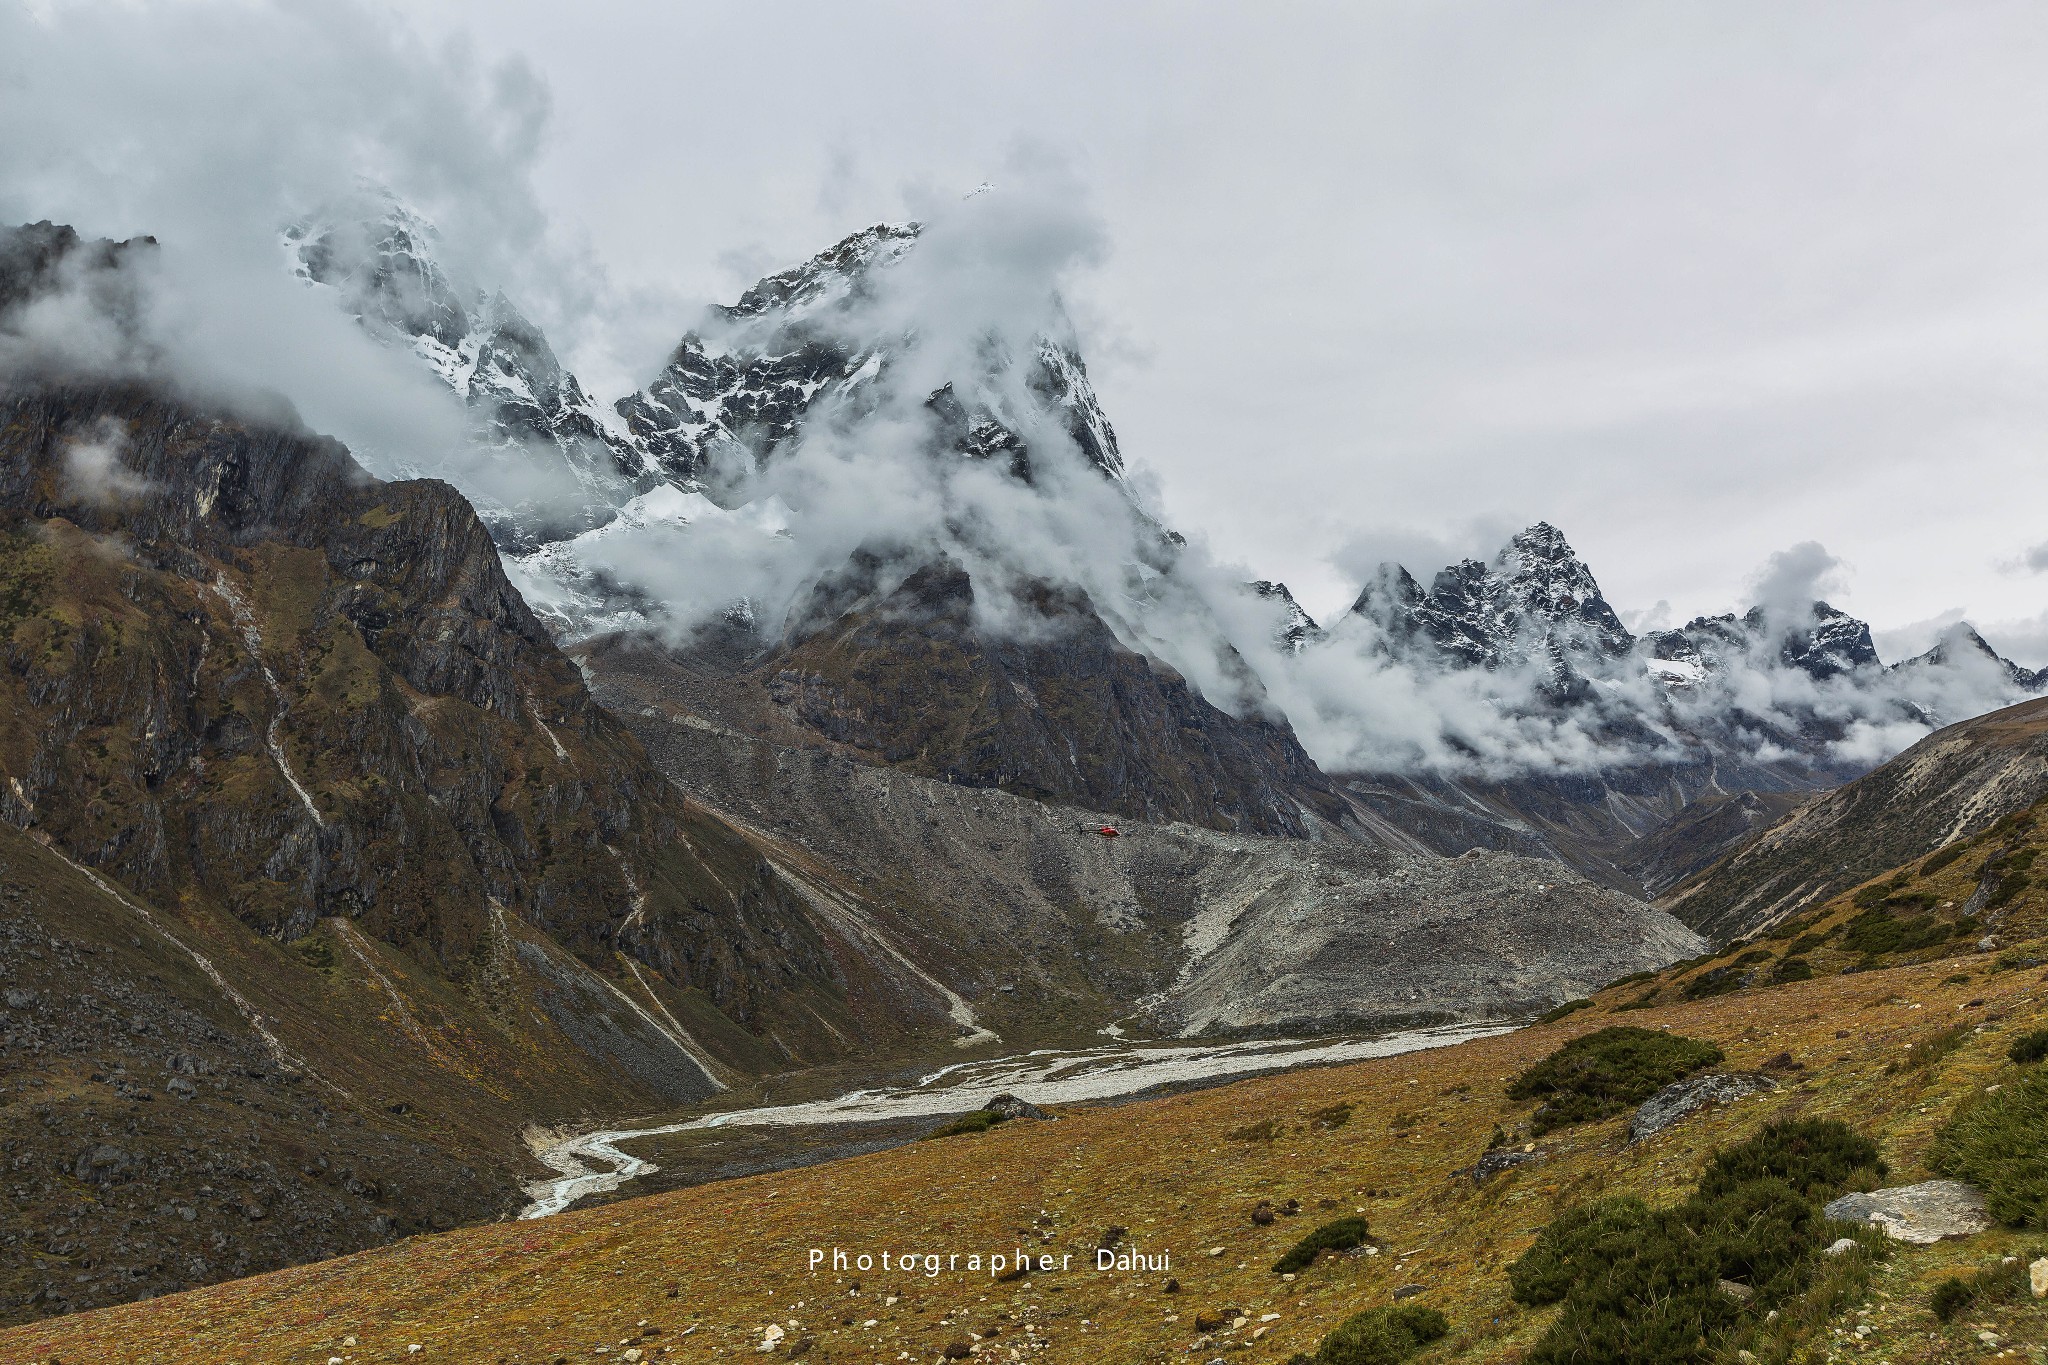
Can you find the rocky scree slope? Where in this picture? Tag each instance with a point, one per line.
(1048, 929)
(153, 1141)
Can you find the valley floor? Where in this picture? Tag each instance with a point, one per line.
(717, 1271)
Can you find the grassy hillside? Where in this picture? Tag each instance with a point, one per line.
(1212, 1179)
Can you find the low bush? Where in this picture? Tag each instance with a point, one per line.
(1567, 1008)
(980, 1121)
(1793, 969)
(1997, 1140)
(1342, 1235)
(1877, 931)
(2029, 1048)
(1640, 1286)
(1605, 1072)
(1993, 1284)
(1331, 1116)
(1382, 1336)
(1942, 858)
(1579, 1239)
(1950, 1297)
(1265, 1130)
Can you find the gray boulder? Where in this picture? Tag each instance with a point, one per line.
(1917, 1213)
(1010, 1107)
(1681, 1098)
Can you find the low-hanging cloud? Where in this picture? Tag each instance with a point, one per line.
(210, 125)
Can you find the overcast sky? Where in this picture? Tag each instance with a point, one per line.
(1696, 282)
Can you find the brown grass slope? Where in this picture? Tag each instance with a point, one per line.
(700, 1274)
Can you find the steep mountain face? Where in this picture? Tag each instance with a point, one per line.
(245, 672)
(1951, 785)
(898, 675)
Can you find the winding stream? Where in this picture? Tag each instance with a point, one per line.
(593, 1163)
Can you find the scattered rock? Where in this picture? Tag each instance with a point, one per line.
(1498, 1160)
(1841, 1246)
(2037, 1275)
(1783, 1062)
(1919, 1214)
(1008, 1107)
(1262, 1213)
(1409, 1291)
(1682, 1098)
(1736, 1290)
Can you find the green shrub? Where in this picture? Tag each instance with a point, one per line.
(1341, 1235)
(1815, 1157)
(1998, 1141)
(2029, 1048)
(1382, 1336)
(1331, 1116)
(1718, 981)
(1950, 1297)
(980, 1121)
(1568, 1007)
(1878, 930)
(1793, 969)
(1605, 1072)
(1643, 1287)
(1805, 943)
(1942, 858)
(1580, 1238)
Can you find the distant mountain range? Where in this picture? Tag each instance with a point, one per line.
(1503, 705)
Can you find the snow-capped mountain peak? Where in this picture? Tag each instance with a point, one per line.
(1536, 595)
